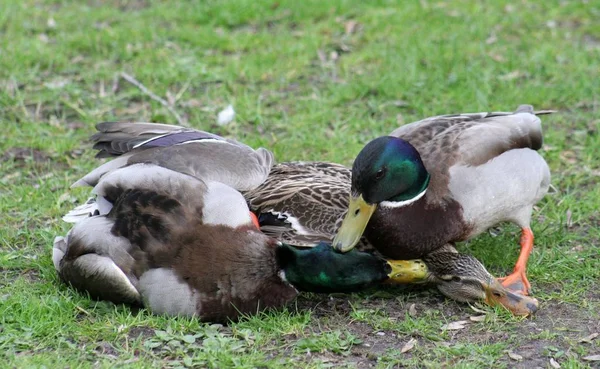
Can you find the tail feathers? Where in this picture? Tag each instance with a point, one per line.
(526, 108)
(90, 208)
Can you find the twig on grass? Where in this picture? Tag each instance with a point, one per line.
(153, 96)
(82, 310)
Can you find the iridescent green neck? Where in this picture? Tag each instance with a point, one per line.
(322, 269)
(413, 191)
(389, 169)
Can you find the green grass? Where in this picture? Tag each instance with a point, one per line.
(309, 84)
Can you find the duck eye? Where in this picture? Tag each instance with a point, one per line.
(497, 294)
(455, 278)
(380, 173)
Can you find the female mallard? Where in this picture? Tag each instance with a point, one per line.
(298, 203)
(185, 245)
(447, 179)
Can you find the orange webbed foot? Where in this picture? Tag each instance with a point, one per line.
(517, 281)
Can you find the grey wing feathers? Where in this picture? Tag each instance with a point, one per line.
(469, 139)
(117, 138)
(196, 153)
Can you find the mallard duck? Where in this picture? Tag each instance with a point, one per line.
(447, 179)
(301, 203)
(182, 245)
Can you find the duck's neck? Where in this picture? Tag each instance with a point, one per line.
(322, 269)
(412, 194)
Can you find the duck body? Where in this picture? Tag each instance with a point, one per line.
(302, 203)
(479, 197)
(183, 244)
(447, 179)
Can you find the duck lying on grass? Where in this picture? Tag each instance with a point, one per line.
(186, 245)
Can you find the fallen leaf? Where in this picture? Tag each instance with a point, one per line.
(589, 338)
(511, 75)
(57, 83)
(322, 56)
(477, 310)
(497, 57)
(569, 218)
(491, 39)
(350, 27)
(408, 345)
(514, 356)
(455, 325)
(554, 364)
(592, 358)
(226, 115)
(412, 310)
(477, 318)
(569, 156)
(578, 248)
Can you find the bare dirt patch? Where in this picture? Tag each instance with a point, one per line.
(556, 332)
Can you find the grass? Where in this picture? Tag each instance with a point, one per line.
(310, 80)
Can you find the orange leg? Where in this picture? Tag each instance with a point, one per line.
(517, 281)
(254, 220)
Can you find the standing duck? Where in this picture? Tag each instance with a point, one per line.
(188, 245)
(446, 179)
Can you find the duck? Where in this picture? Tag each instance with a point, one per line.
(447, 179)
(299, 203)
(304, 203)
(187, 245)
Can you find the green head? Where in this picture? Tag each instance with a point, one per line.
(388, 169)
(322, 269)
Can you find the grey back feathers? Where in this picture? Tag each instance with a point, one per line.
(469, 140)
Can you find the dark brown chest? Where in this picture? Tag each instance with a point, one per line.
(416, 230)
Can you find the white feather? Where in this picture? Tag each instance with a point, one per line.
(224, 205)
(226, 115)
(166, 293)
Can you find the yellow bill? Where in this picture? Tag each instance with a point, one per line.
(407, 271)
(354, 224)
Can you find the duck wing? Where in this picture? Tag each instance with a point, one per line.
(469, 139)
(196, 153)
(302, 203)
